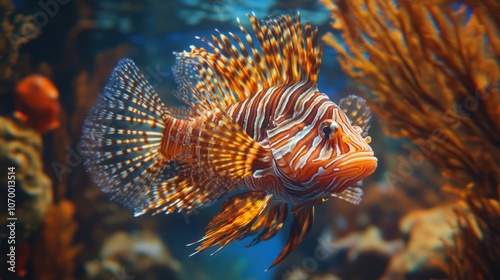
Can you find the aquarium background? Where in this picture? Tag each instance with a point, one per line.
(422, 216)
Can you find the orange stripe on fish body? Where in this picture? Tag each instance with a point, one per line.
(256, 122)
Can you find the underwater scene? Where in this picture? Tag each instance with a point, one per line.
(252, 140)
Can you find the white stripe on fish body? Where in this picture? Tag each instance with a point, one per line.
(305, 158)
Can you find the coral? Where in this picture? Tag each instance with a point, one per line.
(366, 253)
(368, 240)
(21, 148)
(14, 33)
(143, 255)
(425, 231)
(475, 249)
(37, 103)
(358, 255)
(55, 251)
(420, 74)
(432, 70)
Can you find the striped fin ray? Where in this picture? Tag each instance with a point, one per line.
(288, 53)
(234, 221)
(186, 190)
(270, 222)
(301, 225)
(357, 111)
(218, 142)
(216, 155)
(122, 135)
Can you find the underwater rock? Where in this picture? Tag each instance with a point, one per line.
(21, 149)
(142, 256)
(427, 233)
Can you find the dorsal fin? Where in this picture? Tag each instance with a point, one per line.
(288, 53)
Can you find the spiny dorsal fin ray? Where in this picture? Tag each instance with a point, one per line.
(357, 111)
(288, 53)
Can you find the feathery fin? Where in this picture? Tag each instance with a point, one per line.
(216, 154)
(288, 53)
(217, 142)
(270, 222)
(301, 225)
(352, 195)
(234, 221)
(148, 160)
(357, 111)
(122, 135)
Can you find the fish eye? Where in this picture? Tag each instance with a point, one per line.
(328, 129)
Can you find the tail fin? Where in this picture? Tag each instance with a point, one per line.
(122, 137)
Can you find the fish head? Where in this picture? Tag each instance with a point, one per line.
(327, 154)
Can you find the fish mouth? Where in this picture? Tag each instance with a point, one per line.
(357, 165)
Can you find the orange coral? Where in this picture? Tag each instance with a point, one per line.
(37, 103)
(432, 68)
(56, 252)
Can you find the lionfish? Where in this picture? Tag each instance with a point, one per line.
(256, 125)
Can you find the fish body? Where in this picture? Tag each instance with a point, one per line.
(256, 124)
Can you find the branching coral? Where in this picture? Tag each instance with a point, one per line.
(432, 68)
(14, 34)
(20, 149)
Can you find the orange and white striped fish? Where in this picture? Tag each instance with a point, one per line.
(256, 125)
